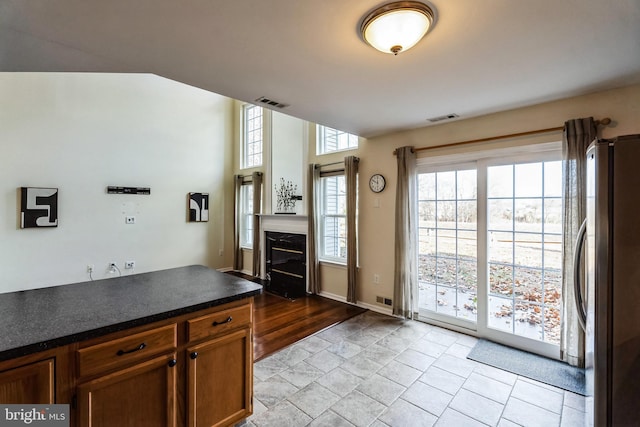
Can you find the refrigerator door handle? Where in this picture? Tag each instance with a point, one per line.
(577, 286)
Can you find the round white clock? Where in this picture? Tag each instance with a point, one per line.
(377, 183)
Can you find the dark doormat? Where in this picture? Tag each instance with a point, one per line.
(539, 368)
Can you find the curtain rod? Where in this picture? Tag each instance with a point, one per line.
(334, 163)
(603, 122)
(248, 176)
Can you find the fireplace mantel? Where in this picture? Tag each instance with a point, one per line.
(283, 223)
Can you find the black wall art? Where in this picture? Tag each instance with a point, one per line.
(198, 207)
(38, 207)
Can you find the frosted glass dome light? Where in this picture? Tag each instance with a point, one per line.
(397, 27)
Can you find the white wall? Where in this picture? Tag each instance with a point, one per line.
(288, 158)
(83, 132)
(377, 211)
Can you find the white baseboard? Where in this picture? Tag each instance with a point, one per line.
(377, 309)
(335, 297)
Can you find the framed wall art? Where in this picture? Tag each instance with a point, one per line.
(38, 207)
(198, 207)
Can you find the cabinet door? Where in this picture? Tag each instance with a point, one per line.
(142, 395)
(220, 378)
(32, 384)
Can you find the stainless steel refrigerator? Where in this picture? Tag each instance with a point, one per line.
(612, 312)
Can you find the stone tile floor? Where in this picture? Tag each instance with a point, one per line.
(379, 371)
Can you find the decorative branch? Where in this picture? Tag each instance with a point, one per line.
(286, 195)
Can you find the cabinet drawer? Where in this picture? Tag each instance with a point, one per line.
(219, 322)
(123, 351)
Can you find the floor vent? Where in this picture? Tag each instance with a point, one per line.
(271, 102)
(445, 117)
(383, 300)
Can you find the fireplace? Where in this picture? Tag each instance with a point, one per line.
(286, 264)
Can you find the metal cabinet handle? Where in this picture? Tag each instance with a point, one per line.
(193, 355)
(577, 287)
(138, 348)
(229, 319)
(172, 363)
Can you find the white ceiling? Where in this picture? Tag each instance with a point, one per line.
(481, 56)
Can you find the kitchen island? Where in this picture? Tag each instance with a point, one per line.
(171, 347)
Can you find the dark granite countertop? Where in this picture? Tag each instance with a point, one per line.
(40, 319)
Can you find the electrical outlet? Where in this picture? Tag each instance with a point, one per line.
(113, 267)
(90, 268)
(130, 219)
(129, 264)
(376, 279)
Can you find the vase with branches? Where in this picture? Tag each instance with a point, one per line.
(286, 196)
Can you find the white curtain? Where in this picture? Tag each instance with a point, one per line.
(405, 292)
(578, 134)
(313, 203)
(256, 179)
(351, 181)
(237, 251)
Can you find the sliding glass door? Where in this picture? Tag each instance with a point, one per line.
(448, 273)
(490, 251)
(525, 249)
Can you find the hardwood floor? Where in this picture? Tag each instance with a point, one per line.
(280, 322)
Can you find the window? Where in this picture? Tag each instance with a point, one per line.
(333, 219)
(246, 216)
(447, 228)
(251, 136)
(330, 140)
(490, 244)
(524, 225)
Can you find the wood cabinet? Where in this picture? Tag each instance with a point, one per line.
(129, 380)
(141, 395)
(118, 352)
(32, 383)
(194, 369)
(219, 380)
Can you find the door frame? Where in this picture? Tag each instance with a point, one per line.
(482, 161)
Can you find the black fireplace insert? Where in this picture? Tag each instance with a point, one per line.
(286, 264)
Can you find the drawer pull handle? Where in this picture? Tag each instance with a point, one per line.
(138, 348)
(172, 363)
(229, 319)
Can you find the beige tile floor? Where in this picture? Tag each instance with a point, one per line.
(379, 371)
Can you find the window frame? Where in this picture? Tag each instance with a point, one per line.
(244, 146)
(321, 145)
(543, 233)
(246, 216)
(322, 215)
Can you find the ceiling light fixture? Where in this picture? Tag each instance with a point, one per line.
(397, 27)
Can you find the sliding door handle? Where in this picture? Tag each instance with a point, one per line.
(577, 286)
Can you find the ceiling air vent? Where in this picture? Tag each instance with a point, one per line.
(445, 117)
(271, 102)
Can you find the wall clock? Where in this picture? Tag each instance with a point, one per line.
(377, 183)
